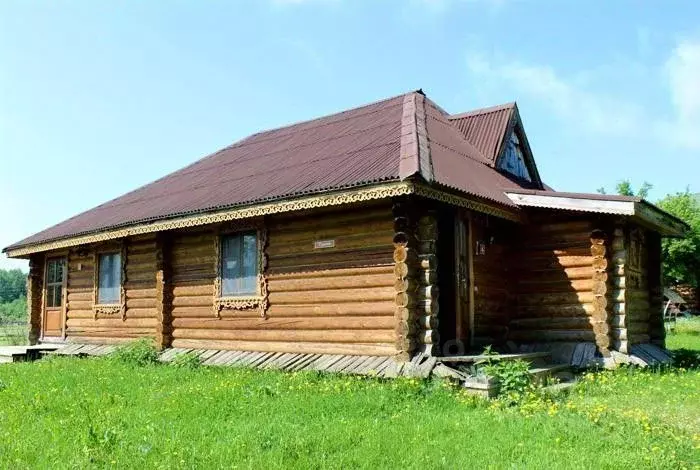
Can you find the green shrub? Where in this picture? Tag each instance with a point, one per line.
(15, 310)
(512, 376)
(140, 353)
(186, 361)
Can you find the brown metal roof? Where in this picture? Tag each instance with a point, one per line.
(485, 128)
(407, 136)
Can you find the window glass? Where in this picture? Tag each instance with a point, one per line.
(109, 278)
(239, 264)
(54, 282)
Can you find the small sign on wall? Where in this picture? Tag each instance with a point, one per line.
(319, 244)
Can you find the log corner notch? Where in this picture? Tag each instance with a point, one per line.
(415, 259)
(599, 317)
(164, 293)
(34, 294)
(405, 270)
(618, 319)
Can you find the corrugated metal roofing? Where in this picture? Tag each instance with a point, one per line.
(352, 148)
(485, 128)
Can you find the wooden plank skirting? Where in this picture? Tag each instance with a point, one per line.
(378, 366)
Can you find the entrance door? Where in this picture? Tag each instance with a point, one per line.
(462, 278)
(54, 298)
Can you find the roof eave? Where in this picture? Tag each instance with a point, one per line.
(640, 211)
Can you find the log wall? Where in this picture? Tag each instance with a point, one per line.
(493, 289)
(139, 318)
(561, 272)
(322, 299)
(35, 283)
(637, 287)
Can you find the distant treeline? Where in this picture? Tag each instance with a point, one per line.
(13, 294)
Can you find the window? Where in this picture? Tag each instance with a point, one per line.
(239, 264)
(109, 278)
(55, 271)
(514, 161)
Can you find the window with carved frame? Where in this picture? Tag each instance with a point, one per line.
(109, 274)
(240, 282)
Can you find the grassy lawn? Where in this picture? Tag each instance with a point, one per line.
(12, 334)
(68, 413)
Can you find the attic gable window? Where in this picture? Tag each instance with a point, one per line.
(514, 161)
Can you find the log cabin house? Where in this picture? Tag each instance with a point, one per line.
(387, 230)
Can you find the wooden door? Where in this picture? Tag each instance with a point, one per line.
(462, 277)
(53, 324)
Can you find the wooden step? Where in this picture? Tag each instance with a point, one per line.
(496, 357)
(540, 374)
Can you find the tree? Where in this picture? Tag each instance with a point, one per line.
(682, 256)
(624, 188)
(13, 285)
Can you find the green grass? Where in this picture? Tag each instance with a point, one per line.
(685, 334)
(12, 334)
(103, 413)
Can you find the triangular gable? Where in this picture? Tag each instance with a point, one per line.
(499, 134)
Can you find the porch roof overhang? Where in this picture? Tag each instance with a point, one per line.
(637, 209)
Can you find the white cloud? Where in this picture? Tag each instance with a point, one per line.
(683, 73)
(570, 98)
(586, 98)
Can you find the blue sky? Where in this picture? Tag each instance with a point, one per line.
(97, 98)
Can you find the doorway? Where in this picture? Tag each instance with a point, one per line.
(53, 321)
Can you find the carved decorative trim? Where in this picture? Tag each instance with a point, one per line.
(381, 191)
(258, 301)
(459, 201)
(109, 309)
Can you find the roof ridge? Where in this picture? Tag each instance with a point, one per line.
(414, 154)
(487, 110)
(325, 116)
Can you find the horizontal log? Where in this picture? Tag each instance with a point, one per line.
(579, 285)
(576, 226)
(635, 326)
(329, 336)
(552, 323)
(288, 224)
(297, 323)
(558, 310)
(555, 298)
(140, 303)
(638, 338)
(196, 312)
(141, 276)
(331, 282)
(148, 293)
(333, 295)
(345, 241)
(148, 258)
(97, 339)
(80, 305)
(290, 347)
(77, 296)
(141, 312)
(341, 272)
(551, 335)
(192, 301)
(113, 322)
(80, 314)
(381, 225)
(110, 332)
